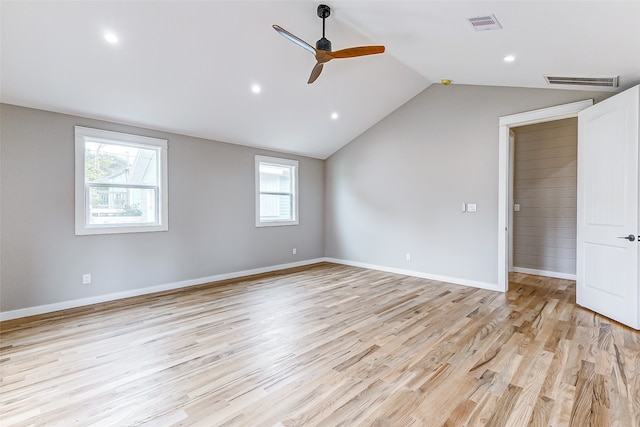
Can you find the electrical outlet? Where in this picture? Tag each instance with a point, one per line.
(86, 279)
(294, 251)
(408, 256)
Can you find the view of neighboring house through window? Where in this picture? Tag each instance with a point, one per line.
(120, 182)
(276, 191)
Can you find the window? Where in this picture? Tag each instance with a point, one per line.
(121, 182)
(276, 191)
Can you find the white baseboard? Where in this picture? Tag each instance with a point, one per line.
(544, 273)
(64, 305)
(420, 274)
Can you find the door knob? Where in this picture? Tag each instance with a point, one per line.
(630, 237)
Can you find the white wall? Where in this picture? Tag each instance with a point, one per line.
(399, 187)
(211, 216)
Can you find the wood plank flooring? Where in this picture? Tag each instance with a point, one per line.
(326, 345)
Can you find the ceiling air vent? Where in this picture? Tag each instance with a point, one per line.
(583, 81)
(483, 23)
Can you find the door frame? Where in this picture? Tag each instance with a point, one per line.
(505, 170)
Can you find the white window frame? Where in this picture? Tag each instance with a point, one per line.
(275, 161)
(83, 134)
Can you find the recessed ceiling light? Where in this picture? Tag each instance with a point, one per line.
(334, 115)
(509, 58)
(110, 37)
(255, 88)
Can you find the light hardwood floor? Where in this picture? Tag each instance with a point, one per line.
(325, 345)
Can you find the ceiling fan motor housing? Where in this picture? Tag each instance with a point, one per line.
(323, 44)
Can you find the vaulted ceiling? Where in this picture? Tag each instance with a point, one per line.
(189, 66)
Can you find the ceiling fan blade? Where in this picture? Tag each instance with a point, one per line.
(315, 73)
(356, 51)
(297, 40)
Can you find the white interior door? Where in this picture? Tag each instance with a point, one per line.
(607, 229)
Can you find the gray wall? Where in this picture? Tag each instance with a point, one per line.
(211, 216)
(398, 187)
(545, 187)
(395, 189)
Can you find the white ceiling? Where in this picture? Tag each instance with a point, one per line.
(188, 66)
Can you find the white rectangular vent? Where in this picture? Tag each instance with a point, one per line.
(583, 81)
(483, 23)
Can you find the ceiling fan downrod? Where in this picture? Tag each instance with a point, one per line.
(324, 12)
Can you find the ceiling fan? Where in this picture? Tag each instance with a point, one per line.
(322, 51)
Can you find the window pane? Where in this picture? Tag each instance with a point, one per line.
(120, 184)
(275, 179)
(275, 207)
(120, 164)
(276, 188)
(122, 205)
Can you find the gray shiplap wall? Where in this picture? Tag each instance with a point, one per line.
(544, 236)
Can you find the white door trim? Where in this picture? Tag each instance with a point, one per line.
(505, 124)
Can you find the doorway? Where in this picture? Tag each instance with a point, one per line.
(505, 151)
(542, 234)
